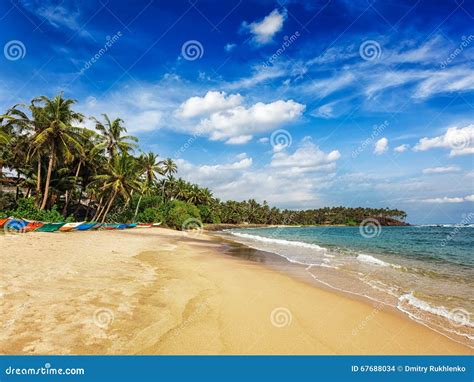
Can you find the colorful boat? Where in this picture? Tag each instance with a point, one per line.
(156, 224)
(86, 226)
(3, 222)
(32, 226)
(133, 225)
(70, 226)
(110, 226)
(122, 226)
(144, 225)
(49, 227)
(15, 225)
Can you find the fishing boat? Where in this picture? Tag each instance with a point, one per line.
(32, 226)
(110, 226)
(3, 222)
(15, 225)
(70, 226)
(156, 224)
(122, 226)
(49, 227)
(144, 225)
(133, 225)
(86, 226)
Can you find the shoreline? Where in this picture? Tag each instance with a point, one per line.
(160, 291)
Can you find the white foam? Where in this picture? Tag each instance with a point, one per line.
(372, 260)
(280, 241)
(442, 311)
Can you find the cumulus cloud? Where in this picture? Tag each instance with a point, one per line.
(264, 30)
(441, 170)
(239, 124)
(401, 148)
(279, 182)
(307, 158)
(213, 101)
(459, 140)
(381, 146)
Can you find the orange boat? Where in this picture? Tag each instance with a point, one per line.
(70, 226)
(31, 226)
(2, 222)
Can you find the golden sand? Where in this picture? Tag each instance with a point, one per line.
(157, 291)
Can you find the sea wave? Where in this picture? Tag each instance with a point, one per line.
(280, 241)
(441, 311)
(374, 261)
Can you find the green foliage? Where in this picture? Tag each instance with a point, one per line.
(208, 215)
(151, 215)
(27, 209)
(7, 202)
(178, 212)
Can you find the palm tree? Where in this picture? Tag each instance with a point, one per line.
(112, 141)
(55, 133)
(169, 168)
(120, 179)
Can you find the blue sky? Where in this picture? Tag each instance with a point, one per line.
(302, 104)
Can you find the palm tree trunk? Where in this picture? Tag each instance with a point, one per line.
(109, 205)
(99, 209)
(136, 209)
(66, 202)
(38, 181)
(48, 179)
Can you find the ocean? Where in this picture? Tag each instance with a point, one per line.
(426, 272)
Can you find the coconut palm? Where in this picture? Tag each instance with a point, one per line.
(112, 141)
(120, 179)
(55, 133)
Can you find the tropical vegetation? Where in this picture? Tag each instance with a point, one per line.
(58, 169)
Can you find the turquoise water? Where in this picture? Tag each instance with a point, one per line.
(427, 272)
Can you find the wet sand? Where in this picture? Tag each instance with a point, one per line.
(157, 291)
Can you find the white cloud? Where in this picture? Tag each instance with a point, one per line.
(279, 182)
(459, 140)
(264, 30)
(229, 47)
(239, 124)
(441, 170)
(213, 101)
(307, 158)
(402, 148)
(381, 146)
(445, 199)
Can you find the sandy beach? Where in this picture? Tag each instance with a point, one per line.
(158, 291)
